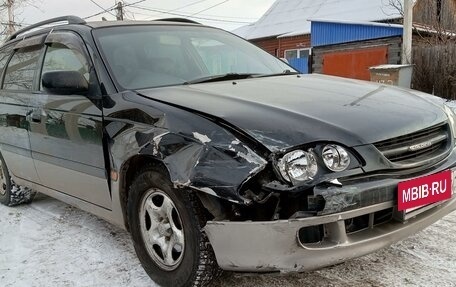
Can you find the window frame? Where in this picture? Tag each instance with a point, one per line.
(298, 52)
(37, 40)
(66, 38)
(33, 89)
(3, 71)
(47, 48)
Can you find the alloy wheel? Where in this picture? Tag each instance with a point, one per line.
(162, 230)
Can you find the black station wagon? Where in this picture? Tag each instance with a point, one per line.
(212, 153)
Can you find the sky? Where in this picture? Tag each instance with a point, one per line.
(225, 14)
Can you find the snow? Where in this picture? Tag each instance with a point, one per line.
(389, 67)
(351, 22)
(291, 16)
(346, 22)
(49, 243)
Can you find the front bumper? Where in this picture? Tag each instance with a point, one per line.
(275, 245)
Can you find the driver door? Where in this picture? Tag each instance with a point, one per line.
(66, 131)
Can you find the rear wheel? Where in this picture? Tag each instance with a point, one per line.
(10, 193)
(166, 226)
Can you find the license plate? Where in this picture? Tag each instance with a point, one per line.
(416, 193)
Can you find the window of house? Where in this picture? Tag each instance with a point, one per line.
(297, 53)
(21, 69)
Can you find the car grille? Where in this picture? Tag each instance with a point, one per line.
(416, 147)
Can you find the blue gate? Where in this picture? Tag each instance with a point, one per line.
(300, 64)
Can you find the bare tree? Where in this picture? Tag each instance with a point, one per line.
(434, 46)
(397, 5)
(9, 11)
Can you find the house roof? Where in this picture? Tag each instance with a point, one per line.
(291, 16)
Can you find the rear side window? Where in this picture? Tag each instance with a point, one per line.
(21, 69)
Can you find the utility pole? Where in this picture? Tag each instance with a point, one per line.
(10, 28)
(408, 33)
(120, 11)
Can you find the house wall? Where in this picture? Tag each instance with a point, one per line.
(270, 45)
(352, 60)
(277, 46)
(426, 12)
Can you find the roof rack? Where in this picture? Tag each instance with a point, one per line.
(69, 19)
(181, 20)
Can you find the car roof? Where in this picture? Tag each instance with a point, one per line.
(74, 21)
(171, 22)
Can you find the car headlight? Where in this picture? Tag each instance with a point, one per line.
(298, 166)
(451, 118)
(335, 157)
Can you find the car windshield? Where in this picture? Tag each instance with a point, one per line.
(146, 56)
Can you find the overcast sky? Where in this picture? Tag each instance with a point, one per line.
(226, 14)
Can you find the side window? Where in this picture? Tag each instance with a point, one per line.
(61, 58)
(21, 69)
(4, 56)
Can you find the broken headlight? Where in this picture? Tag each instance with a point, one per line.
(335, 157)
(298, 166)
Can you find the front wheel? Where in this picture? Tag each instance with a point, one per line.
(166, 226)
(12, 194)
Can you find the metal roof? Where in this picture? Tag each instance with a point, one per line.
(291, 16)
(326, 32)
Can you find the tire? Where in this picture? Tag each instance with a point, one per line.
(192, 260)
(12, 194)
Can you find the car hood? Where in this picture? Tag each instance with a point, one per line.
(286, 111)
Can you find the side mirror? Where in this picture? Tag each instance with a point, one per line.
(65, 83)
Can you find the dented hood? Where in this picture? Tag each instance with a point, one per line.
(281, 112)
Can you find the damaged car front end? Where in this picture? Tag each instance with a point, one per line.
(294, 172)
(277, 207)
(324, 223)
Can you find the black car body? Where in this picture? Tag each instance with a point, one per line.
(84, 137)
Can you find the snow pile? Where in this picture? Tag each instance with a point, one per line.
(49, 243)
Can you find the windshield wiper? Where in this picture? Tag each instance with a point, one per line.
(284, 73)
(218, 78)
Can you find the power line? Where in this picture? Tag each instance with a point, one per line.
(93, 1)
(188, 5)
(113, 8)
(213, 6)
(175, 9)
(229, 17)
(153, 15)
(187, 15)
(102, 12)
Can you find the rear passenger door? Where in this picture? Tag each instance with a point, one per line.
(16, 92)
(66, 131)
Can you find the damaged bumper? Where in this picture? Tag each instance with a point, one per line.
(283, 246)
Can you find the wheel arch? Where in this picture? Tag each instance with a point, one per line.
(133, 167)
(128, 172)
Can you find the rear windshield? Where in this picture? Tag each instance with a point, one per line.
(155, 55)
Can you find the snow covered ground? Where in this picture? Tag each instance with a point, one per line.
(49, 243)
